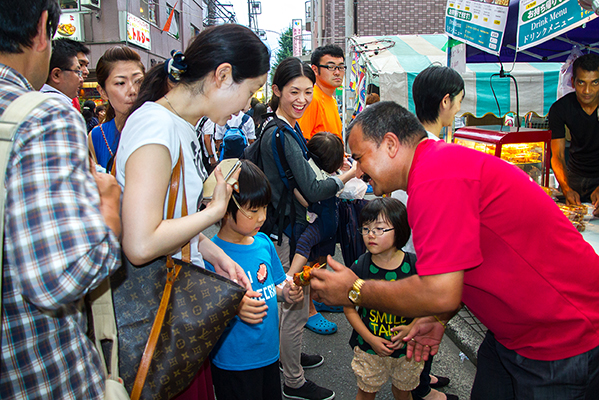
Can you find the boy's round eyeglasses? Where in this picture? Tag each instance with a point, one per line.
(377, 231)
(245, 213)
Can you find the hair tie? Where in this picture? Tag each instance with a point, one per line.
(175, 66)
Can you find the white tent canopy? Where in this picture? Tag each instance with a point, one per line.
(392, 62)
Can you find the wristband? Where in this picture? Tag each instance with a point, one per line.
(441, 322)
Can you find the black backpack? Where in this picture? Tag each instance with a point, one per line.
(276, 216)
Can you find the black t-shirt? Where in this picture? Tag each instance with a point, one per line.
(380, 323)
(584, 129)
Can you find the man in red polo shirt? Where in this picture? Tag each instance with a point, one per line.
(488, 236)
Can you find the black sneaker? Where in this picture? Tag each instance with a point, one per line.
(311, 360)
(308, 361)
(308, 391)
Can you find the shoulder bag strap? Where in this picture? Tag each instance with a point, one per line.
(10, 121)
(173, 272)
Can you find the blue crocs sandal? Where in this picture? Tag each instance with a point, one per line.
(323, 307)
(318, 324)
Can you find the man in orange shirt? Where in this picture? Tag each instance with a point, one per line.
(322, 115)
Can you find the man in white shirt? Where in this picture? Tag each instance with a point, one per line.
(65, 77)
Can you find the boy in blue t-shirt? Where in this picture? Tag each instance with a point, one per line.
(245, 360)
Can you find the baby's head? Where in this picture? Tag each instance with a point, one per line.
(327, 151)
(387, 211)
(254, 192)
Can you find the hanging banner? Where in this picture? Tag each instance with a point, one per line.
(539, 21)
(297, 37)
(138, 32)
(479, 23)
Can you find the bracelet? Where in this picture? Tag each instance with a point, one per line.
(441, 322)
(210, 155)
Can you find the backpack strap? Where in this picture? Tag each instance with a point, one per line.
(244, 119)
(11, 120)
(201, 126)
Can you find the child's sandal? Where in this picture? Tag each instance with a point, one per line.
(318, 324)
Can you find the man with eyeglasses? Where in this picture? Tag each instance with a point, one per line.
(322, 114)
(65, 77)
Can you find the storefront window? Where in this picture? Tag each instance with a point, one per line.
(69, 4)
(148, 10)
(174, 23)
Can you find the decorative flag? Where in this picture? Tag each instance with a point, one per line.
(353, 77)
(167, 25)
(361, 91)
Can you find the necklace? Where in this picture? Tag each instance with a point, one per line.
(172, 108)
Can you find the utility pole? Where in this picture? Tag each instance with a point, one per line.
(349, 32)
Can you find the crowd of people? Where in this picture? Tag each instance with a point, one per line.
(87, 190)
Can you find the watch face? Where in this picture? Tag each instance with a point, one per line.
(353, 296)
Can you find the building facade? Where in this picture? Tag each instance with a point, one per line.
(326, 19)
(139, 24)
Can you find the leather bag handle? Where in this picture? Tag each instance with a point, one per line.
(172, 273)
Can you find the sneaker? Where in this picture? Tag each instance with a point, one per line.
(308, 361)
(308, 391)
(311, 360)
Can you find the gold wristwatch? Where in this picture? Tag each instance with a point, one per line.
(354, 294)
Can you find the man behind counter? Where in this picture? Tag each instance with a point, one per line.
(578, 111)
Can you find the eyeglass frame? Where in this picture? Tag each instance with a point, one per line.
(374, 230)
(244, 212)
(78, 72)
(333, 67)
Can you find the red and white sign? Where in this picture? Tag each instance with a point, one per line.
(138, 32)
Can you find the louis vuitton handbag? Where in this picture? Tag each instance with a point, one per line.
(169, 313)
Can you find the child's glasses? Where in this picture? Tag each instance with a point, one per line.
(241, 210)
(377, 231)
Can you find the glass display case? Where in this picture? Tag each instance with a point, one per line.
(527, 148)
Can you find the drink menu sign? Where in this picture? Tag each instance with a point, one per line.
(480, 23)
(138, 32)
(539, 21)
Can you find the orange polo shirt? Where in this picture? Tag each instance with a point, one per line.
(321, 116)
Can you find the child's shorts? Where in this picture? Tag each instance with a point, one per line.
(372, 371)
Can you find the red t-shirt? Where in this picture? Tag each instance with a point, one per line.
(529, 276)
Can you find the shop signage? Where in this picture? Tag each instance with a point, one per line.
(69, 26)
(539, 21)
(138, 32)
(477, 22)
(297, 37)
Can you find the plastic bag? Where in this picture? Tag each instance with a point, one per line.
(565, 74)
(354, 189)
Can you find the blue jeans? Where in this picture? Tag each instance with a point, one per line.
(583, 186)
(502, 374)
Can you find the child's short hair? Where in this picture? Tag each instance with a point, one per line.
(327, 151)
(393, 211)
(254, 189)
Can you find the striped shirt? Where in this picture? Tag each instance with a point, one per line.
(56, 249)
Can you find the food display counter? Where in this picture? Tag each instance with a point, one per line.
(527, 148)
(591, 234)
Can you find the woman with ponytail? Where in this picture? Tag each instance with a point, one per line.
(214, 77)
(120, 73)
